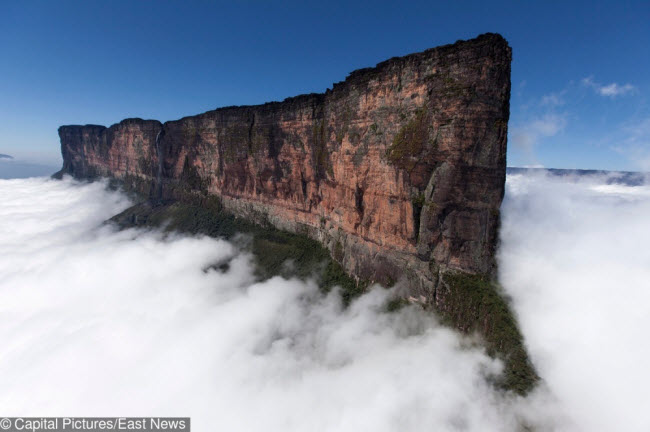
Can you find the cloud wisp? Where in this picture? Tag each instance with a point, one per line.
(609, 90)
(634, 143)
(526, 137)
(553, 99)
(97, 322)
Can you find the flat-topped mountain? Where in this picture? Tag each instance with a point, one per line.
(398, 171)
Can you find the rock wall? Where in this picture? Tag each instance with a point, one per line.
(399, 170)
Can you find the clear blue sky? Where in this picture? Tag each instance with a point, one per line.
(580, 74)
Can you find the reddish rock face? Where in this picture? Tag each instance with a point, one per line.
(399, 170)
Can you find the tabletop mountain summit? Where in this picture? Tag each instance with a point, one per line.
(398, 171)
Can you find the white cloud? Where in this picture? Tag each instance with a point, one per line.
(548, 125)
(553, 99)
(574, 258)
(610, 90)
(634, 144)
(98, 322)
(615, 89)
(526, 137)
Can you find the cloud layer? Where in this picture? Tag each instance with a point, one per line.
(575, 258)
(99, 322)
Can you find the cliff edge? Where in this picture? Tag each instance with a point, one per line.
(399, 170)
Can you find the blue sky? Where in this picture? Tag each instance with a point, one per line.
(580, 80)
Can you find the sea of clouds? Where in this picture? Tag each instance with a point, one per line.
(575, 257)
(99, 322)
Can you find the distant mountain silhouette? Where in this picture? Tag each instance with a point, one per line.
(628, 178)
(12, 168)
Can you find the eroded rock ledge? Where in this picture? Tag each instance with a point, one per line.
(398, 171)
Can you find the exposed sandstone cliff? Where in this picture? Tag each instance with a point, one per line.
(400, 166)
(398, 171)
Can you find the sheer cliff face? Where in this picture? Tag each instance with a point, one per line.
(399, 170)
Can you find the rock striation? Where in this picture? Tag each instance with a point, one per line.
(399, 170)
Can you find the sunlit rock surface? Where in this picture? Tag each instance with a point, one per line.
(398, 172)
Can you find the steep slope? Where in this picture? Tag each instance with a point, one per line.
(398, 171)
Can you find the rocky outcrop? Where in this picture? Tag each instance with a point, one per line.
(399, 170)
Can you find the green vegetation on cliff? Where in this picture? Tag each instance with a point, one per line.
(473, 303)
(410, 141)
(275, 252)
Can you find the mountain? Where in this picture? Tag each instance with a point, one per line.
(398, 172)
